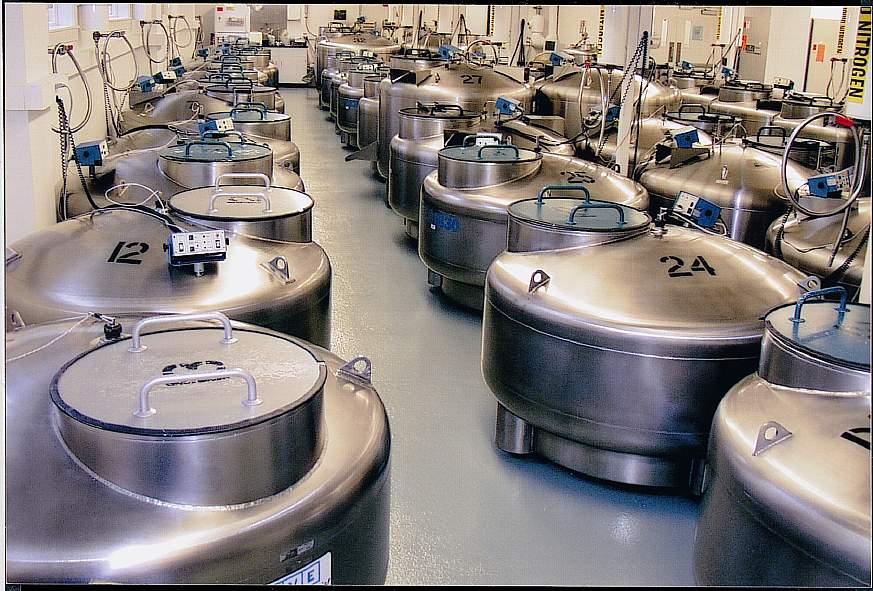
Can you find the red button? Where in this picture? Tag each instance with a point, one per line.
(844, 121)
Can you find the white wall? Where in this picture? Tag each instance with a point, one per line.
(32, 184)
(786, 54)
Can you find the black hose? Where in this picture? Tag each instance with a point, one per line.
(840, 271)
(149, 126)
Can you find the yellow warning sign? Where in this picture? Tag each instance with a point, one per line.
(841, 38)
(861, 58)
(718, 23)
(600, 30)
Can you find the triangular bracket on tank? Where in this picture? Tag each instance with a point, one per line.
(769, 435)
(678, 156)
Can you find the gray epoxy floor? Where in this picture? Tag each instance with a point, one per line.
(461, 511)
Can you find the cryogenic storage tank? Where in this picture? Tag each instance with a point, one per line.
(349, 95)
(787, 499)
(807, 243)
(414, 153)
(738, 176)
(272, 274)
(454, 83)
(368, 114)
(263, 459)
(609, 342)
(746, 100)
(256, 121)
(359, 43)
(462, 217)
(573, 93)
(237, 90)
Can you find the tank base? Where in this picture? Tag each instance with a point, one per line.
(411, 228)
(463, 294)
(516, 436)
(349, 139)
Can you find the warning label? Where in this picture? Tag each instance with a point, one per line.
(861, 59)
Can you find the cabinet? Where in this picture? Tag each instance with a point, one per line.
(291, 62)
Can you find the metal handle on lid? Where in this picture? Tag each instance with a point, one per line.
(231, 68)
(230, 59)
(136, 345)
(260, 195)
(685, 108)
(443, 108)
(550, 188)
(203, 143)
(145, 410)
(498, 147)
(571, 218)
(796, 319)
(212, 133)
(249, 106)
(770, 128)
(240, 81)
(243, 175)
(217, 77)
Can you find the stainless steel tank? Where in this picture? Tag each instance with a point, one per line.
(256, 119)
(609, 341)
(345, 66)
(572, 92)
(210, 487)
(454, 83)
(746, 100)
(741, 179)
(463, 211)
(349, 95)
(798, 106)
(807, 243)
(120, 266)
(423, 133)
(698, 117)
(260, 57)
(172, 165)
(243, 90)
(787, 499)
(414, 153)
(331, 69)
(359, 43)
(368, 115)
(652, 131)
(411, 59)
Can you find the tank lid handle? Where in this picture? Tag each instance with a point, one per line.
(136, 345)
(145, 410)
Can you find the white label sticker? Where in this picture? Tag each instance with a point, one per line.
(314, 573)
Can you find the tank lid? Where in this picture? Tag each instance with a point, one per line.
(752, 85)
(241, 202)
(439, 111)
(810, 98)
(825, 330)
(215, 151)
(581, 215)
(700, 117)
(188, 382)
(250, 114)
(494, 153)
(242, 89)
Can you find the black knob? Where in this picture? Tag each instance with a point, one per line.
(112, 330)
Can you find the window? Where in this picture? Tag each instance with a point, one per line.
(61, 16)
(119, 11)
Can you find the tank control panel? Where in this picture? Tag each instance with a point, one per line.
(196, 248)
(488, 139)
(830, 185)
(506, 106)
(176, 62)
(685, 137)
(783, 83)
(145, 83)
(165, 77)
(220, 125)
(703, 212)
(447, 52)
(92, 153)
(203, 52)
(559, 58)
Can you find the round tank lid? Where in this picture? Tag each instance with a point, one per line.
(825, 333)
(437, 111)
(250, 115)
(218, 150)
(258, 377)
(748, 85)
(490, 153)
(242, 89)
(240, 202)
(583, 215)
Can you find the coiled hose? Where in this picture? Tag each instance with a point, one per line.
(60, 48)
